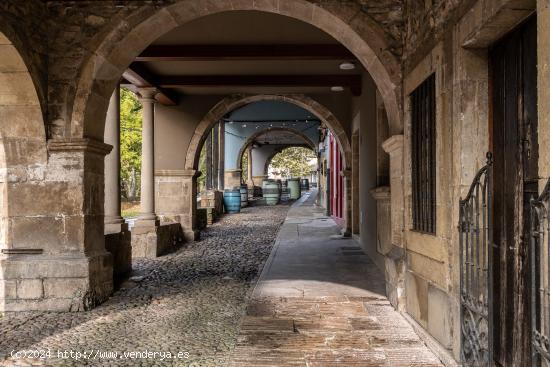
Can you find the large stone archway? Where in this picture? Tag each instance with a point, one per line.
(234, 102)
(272, 155)
(118, 43)
(252, 138)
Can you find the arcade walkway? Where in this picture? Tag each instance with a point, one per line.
(320, 302)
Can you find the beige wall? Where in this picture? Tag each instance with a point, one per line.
(364, 118)
(174, 128)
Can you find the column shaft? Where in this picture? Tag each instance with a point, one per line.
(148, 156)
(215, 156)
(221, 152)
(208, 149)
(112, 161)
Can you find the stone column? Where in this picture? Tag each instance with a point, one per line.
(221, 155)
(147, 215)
(208, 148)
(346, 231)
(250, 182)
(61, 263)
(117, 236)
(215, 157)
(113, 220)
(395, 266)
(394, 147)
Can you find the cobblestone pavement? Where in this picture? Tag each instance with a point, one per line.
(190, 301)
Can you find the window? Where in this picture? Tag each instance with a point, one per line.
(423, 156)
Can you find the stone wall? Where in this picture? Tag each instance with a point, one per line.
(449, 39)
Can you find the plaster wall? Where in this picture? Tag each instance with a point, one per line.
(364, 116)
(174, 128)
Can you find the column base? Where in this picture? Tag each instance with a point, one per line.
(118, 242)
(54, 283)
(192, 235)
(152, 241)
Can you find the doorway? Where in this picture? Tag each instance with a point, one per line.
(513, 68)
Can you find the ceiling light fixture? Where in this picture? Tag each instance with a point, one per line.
(337, 88)
(347, 66)
(244, 125)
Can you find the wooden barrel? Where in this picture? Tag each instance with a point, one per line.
(284, 194)
(294, 188)
(244, 196)
(232, 201)
(304, 184)
(271, 192)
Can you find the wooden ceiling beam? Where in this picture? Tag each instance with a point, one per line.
(353, 82)
(245, 52)
(139, 76)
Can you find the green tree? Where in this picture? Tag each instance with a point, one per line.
(130, 144)
(293, 162)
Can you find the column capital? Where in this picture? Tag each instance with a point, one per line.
(381, 193)
(393, 143)
(79, 144)
(147, 94)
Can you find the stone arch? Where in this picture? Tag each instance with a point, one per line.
(118, 43)
(254, 136)
(231, 103)
(23, 153)
(271, 156)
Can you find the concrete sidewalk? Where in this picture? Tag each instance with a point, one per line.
(306, 262)
(321, 302)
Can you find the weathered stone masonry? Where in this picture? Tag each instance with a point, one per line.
(66, 57)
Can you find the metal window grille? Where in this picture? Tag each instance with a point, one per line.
(423, 156)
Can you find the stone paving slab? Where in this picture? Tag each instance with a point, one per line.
(321, 302)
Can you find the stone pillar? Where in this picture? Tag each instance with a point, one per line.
(221, 155)
(62, 264)
(355, 190)
(346, 231)
(149, 239)
(147, 215)
(215, 157)
(113, 219)
(208, 148)
(250, 182)
(394, 147)
(175, 198)
(117, 236)
(233, 178)
(394, 257)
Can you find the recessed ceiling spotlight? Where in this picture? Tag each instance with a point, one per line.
(244, 125)
(337, 88)
(229, 122)
(347, 66)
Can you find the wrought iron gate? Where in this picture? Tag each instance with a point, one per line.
(540, 277)
(476, 238)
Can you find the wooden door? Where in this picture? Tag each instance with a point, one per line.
(515, 148)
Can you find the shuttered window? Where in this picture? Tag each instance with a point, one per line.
(423, 156)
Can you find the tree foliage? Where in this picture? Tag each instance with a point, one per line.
(130, 144)
(293, 162)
